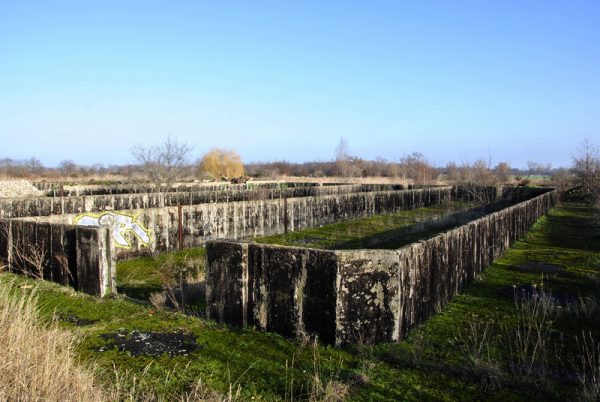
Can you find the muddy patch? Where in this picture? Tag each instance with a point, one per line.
(541, 268)
(525, 292)
(151, 343)
(73, 319)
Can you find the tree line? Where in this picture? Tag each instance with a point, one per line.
(170, 160)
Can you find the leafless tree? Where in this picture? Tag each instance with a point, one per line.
(163, 163)
(30, 258)
(502, 172)
(33, 258)
(416, 167)
(562, 179)
(342, 157)
(586, 169)
(68, 167)
(452, 172)
(35, 166)
(478, 181)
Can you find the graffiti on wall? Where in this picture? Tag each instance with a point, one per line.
(120, 224)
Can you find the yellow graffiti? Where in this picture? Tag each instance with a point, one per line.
(120, 225)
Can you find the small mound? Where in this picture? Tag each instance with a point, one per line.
(18, 188)
(151, 343)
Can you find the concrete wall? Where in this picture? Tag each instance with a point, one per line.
(60, 190)
(77, 256)
(84, 256)
(245, 219)
(287, 290)
(358, 295)
(46, 206)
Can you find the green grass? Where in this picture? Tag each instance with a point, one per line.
(428, 365)
(140, 277)
(387, 231)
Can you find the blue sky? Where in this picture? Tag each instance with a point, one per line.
(456, 80)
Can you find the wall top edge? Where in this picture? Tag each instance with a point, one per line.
(348, 253)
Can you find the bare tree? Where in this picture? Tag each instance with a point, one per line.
(478, 181)
(502, 172)
(35, 166)
(175, 276)
(452, 173)
(67, 167)
(562, 179)
(416, 167)
(163, 163)
(586, 169)
(532, 167)
(32, 259)
(342, 157)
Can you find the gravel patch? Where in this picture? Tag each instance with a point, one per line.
(18, 188)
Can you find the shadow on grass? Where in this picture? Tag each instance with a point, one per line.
(402, 236)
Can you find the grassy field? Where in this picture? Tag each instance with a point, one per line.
(379, 231)
(527, 329)
(140, 277)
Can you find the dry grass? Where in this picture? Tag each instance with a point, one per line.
(37, 361)
(321, 385)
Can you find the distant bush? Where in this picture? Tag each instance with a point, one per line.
(524, 182)
(221, 164)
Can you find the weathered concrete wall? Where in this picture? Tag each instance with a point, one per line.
(59, 190)
(286, 290)
(378, 295)
(77, 256)
(46, 206)
(421, 278)
(239, 220)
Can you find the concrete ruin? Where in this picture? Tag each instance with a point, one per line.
(350, 296)
(339, 296)
(77, 256)
(184, 226)
(126, 225)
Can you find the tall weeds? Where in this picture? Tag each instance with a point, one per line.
(527, 338)
(587, 367)
(37, 361)
(317, 384)
(524, 335)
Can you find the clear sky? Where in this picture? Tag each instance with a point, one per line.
(456, 80)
